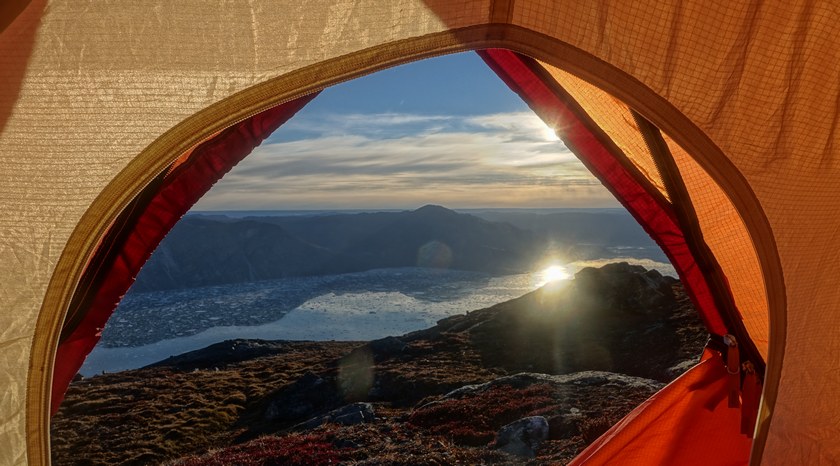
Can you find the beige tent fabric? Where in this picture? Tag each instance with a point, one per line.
(112, 91)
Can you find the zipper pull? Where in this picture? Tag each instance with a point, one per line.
(733, 368)
(750, 396)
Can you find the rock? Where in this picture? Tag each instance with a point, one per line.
(626, 288)
(222, 354)
(677, 369)
(619, 318)
(350, 415)
(523, 437)
(563, 426)
(303, 399)
(386, 347)
(575, 380)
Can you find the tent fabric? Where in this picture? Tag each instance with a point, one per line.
(687, 423)
(101, 85)
(725, 234)
(691, 411)
(96, 102)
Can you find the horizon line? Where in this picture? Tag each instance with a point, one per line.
(352, 209)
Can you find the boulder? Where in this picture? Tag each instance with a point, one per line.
(303, 399)
(386, 347)
(564, 426)
(523, 437)
(352, 414)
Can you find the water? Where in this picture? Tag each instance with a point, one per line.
(149, 327)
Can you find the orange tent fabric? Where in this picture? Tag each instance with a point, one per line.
(687, 423)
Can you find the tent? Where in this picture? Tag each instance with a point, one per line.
(713, 122)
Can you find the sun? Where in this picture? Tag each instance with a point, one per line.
(549, 134)
(554, 273)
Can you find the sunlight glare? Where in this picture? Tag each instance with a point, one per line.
(554, 273)
(549, 134)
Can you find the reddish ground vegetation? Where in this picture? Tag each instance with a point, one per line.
(474, 421)
(291, 450)
(593, 428)
(148, 416)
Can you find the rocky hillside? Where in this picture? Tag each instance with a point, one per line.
(528, 381)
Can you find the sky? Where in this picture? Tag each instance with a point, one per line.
(441, 131)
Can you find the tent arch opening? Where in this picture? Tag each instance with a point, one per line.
(189, 133)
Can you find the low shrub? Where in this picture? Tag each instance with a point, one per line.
(291, 450)
(474, 420)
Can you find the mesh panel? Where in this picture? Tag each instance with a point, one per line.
(614, 117)
(726, 235)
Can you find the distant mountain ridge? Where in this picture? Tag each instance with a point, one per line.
(205, 250)
(605, 228)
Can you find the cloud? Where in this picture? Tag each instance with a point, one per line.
(364, 124)
(405, 160)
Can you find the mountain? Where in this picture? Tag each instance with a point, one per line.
(337, 232)
(433, 236)
(205, 250)
(202, 251)
(581, 235)
(571, 360)
(610, 227)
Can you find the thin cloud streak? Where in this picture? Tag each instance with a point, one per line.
(394, 160)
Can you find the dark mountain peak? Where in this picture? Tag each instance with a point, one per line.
(432, 209)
